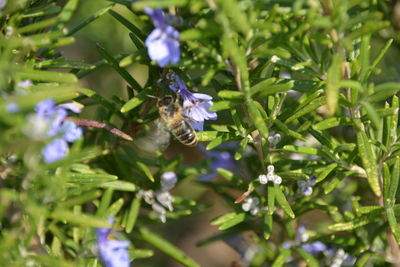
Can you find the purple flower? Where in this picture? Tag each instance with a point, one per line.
(220, 160)
(314, 247)
(57, 125)
(55, 150)
(196, 106)
(45, 108)
(71, 131)
(12, 107)
(162, 43)
(113, 253)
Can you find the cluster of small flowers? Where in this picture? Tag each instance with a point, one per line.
(340, 257)
(196, 106)
(271, 176)
(251, 204)
(273, 140)
(163, 196)
(113, 253)
(306, 186)
(50, 122)
(302, 237)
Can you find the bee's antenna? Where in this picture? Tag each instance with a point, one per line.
(152, 96)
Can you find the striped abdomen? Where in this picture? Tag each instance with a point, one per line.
(184, 132)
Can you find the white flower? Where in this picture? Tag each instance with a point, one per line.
(168, 181)
(165, 199)
(263, 179)
(251, 204)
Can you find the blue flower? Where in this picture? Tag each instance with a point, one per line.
(196, 106)
(12, 107)
(314, 247)
(162, 43)
(71, 132)
(57, 126)
(220, 160)
(45, 108)
(55, 150)
(113, 253)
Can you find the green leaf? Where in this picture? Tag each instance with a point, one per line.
(304, 150)
(231, 9)
(141, 253)
(281, 199)
(307, 109)
(229, 94)
(136, 101)
(90, 19)
(369, 161)
(231, 49)
(356, 223)
(145, 170)
(233, 221)
(364, 57)
(115, 65)
(394, 181)
(89, 178)
(79, 219)
(271, 199)
(242, 148)
(207, 135)
(224, 105)
(37, 26)
(363, 260)
(282, 257)
(257, 119)
(223, 218)
(64, 64)
(309, 258)
(119, 185)
(282, 127)
(128, 25)
(158, 3)
(115, 207)
(394, 226)
(81, 199)
(371, 113)
(267, 226)
(46, 76)
(133, 214)
(293, 176)
(262, 90)
(379, 57)
(326, 171)
(105, 202)
(165, 246)
(332, 122)
(263, 85)
(383, 92)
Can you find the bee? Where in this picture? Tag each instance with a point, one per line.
(171, 113)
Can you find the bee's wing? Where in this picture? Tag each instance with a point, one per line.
(156, 138)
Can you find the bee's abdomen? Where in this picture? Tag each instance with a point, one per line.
(184, 132)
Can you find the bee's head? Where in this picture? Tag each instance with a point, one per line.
(165, 101)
